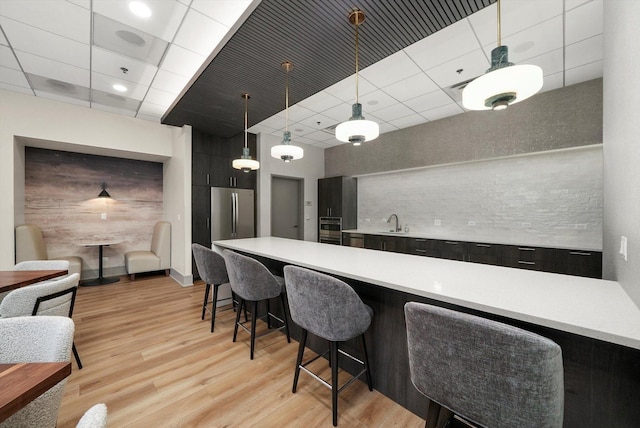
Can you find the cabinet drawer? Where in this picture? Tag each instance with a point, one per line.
(423, 247)
(479, 252)
(533, 258)
(580, 263)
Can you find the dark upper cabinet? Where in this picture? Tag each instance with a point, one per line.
(338, 197)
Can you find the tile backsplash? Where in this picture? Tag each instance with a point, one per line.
(546, 199)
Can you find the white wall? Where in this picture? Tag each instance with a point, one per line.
(51, 124)
(309, 168)
(621, 154)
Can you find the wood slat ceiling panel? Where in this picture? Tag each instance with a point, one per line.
(316, 36)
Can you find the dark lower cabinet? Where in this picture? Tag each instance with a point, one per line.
(569, 262)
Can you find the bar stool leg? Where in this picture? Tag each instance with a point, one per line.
(303, 343)
(235, 328)
(214, 305)
(334, 381)
(366, 363)
(286, 319)
(206, 298)
(254, 318)
(75, 354)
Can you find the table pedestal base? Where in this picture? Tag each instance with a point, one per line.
(99, 281)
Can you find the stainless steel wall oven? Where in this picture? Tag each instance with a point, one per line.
(330, 230)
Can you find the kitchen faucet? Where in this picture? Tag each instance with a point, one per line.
(397, 229)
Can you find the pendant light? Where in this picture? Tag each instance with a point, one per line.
(245, 162)
(504, 83)
(285, 150)
(357, 129)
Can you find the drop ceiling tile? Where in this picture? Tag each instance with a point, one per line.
(472, 65)
(345, 89)
(428, 101)
(13, 77)
(259, 127)
(395, 111)
(584, 52)
(169, 82)
(150, 118)
(516, 15)
(110, 63)
(46, 67)
(408, 121)
(86, 4)
(58, 97)
(104, 83)
(151, 109)
(449, 43)
(551, 62)
(319, 136)
(297, 113)
(340, 113)
(553, 81)
(442, 111)
(570, 4)
(3, 39)
(532, 42)
(274, 122)
(32, 40)
(300, 129)
(200, 33)
(7, 58)
(411, 87)
(116, 102)
(583, 73)
(181, 61)
(392, 69)
(14, 88)
(320, 102)
(125, 40)
(386, 127)
(58, 17)
(160, 98)
(376, 100)
(226, 12)
(163, 23)
(113, 109)
(583, 22)
(63, 89)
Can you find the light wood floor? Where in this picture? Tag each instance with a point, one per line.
(150, 358)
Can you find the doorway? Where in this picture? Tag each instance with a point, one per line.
(286, 207)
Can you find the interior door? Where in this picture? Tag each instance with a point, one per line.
(286, 208)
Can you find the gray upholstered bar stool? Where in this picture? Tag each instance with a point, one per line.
(213, 272)
(252, 282)
(328, 308)
(489, 373)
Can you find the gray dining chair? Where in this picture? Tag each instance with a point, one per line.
(95, 417)
(213, 271)
(486, 372)
(330, 309)
(252, 282)
(36, 340)
(52, 297)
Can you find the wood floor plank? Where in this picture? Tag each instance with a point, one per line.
(150, 358)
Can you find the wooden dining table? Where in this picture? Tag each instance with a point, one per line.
(21, 383)
(12, 279)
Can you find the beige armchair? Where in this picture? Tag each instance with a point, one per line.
(30, 246)
(158, 258)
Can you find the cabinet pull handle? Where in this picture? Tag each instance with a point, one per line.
(230, 181)
(526, 263)
(420, 251)
(207, 222)
(235, 181)
(579, 253)
(526, 249)
(421, 240)
(208, 179)
(483, 245)
(451, 242)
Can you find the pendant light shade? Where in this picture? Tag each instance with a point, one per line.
(285, 150)
(504, 83)
(245, 162)
(357, 129)
(104, 193)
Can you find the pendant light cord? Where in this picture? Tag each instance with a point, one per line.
(357, 23)
(499, 26)
(286, 103)
(246, 117)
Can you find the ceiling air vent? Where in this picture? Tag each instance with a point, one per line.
(455, 90)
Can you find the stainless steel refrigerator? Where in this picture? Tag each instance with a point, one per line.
(232, 212)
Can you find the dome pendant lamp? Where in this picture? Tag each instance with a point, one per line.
(245, 162)
(504, 83)
(357, 129)
(285, 150)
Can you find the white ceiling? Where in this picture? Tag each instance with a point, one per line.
(53, 49)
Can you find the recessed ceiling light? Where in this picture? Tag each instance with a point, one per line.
(140, 9)
(120, 88)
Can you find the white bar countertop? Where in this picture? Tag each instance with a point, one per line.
(585, 306)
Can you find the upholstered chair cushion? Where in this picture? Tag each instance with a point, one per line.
(249, 278)
(20, 302)
(211, 265)
(95, 417)
(159, 255)
(42, 265)
(490, 373)
(36, 340)
(324, 305)
(30, 246)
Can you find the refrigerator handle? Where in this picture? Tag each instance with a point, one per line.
(234, 214)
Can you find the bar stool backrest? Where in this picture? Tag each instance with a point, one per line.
(490, 373)
(211, 265)
(249, 278)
